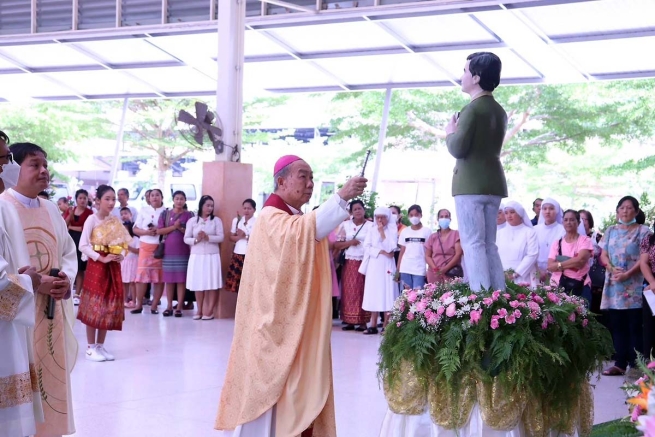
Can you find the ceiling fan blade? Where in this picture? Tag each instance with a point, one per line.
(198, 136)
(214, 130)
(201, 111)
(187, 118)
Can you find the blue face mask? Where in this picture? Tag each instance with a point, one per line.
(444, 223)
(631, 222)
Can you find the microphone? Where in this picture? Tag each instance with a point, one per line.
(51, 300)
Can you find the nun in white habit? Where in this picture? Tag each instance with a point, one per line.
(518, 245)
(379, 266)
(549, 229)
(501, 221)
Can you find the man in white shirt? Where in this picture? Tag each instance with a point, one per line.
(123, 197)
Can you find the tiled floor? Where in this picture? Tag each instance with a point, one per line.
(168, 375)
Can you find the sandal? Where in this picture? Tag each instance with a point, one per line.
(178, 313)
(370, 331)
(348, 328)
(137, 311)
(360, 328)
(614, 371)
(167, 313)
(154, 311)
(197, 317)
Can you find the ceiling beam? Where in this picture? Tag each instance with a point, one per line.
(292, 6)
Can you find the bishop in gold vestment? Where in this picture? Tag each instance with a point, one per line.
(279, 376)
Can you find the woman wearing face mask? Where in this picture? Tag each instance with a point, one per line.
(622, 294)
(443, 251)
(380, 289)
(411, 261)
(518, 245)
(548, 229)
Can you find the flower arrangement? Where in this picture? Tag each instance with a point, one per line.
(641, 398)
(542, 343)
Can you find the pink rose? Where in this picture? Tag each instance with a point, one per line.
(533, 306)
(440, 311)
(517, 314)
(534, 316)
(552, 297)
(445, 296)
(410, 316)
(476, 315)
(544, 324)
(432, 319)
(398, 324)
(514, 304)
(585, 322)
(636, 412)
(411, 296)
(548, 288)
(507, 295)
(487, 301)
(510, 319)
(521, 296)
(502, 312)
(550, 318)
(473, 297)
(572, 317)
(451, 310)
(494, 322)
(537, 298)
(495, 295)
(422, 305)
(650, 365)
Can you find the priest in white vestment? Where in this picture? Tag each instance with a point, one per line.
(40, 239)
(20, 400)
(518, 245)
(549, 229)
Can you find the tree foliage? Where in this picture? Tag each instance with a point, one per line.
(540, 117)
(53, 125)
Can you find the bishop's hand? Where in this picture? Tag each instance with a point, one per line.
(353, 188)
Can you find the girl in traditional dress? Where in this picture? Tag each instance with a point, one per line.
(239, 234)
(380, 289)
(172, 224)
(103, 242)
(204, 234)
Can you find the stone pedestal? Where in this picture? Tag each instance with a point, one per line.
(229, 183)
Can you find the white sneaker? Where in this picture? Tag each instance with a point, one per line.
(92, 354)
(76, 300)
(102, 351)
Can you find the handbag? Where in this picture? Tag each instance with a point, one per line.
(159, 251)
(341, 259)
(455, 272)
(597, 274)
(570, 285)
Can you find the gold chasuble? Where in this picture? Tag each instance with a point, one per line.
(280, 354)
(54, 343)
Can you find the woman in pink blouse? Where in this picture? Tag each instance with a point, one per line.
(443, 250)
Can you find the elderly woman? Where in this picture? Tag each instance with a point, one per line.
(352, 235)
(622, 294)
(647, 265)
(518, 245)
(443, 251)
(569, 258)
(379, 266)
(549, 228)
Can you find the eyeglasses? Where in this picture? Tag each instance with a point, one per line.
(9, 157)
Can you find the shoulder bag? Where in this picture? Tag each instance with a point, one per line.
(341, 259)
(455, 272)
(159, 252)
(570, 285)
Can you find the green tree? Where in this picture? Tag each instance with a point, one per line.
(53, 125)
(540, 117)
(255, 113)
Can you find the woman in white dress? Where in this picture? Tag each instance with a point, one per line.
(379, 266)
(518, 245)
(204, 233)
(548, 229)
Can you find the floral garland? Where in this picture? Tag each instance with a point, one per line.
(540, 342)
